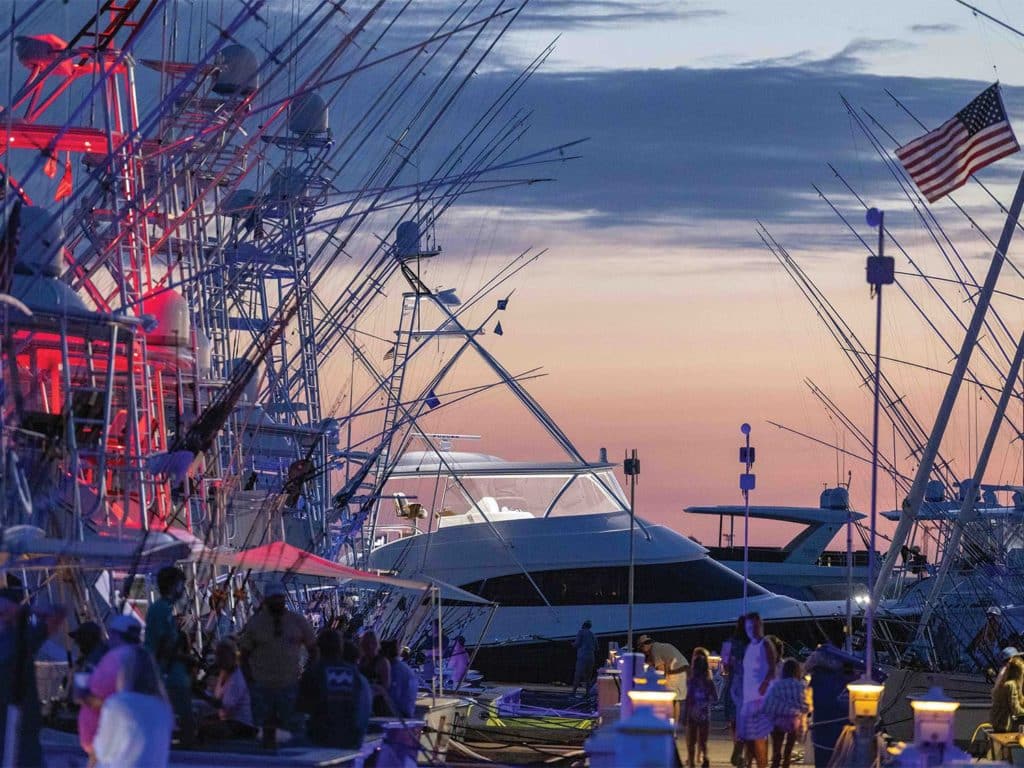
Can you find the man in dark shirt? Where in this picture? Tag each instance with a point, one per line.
(336, 695)
(586, 647)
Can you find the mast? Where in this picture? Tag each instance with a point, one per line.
(912, 503)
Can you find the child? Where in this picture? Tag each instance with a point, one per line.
(786, 702)
(700, 696)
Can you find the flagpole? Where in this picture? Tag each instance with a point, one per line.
(912, 503)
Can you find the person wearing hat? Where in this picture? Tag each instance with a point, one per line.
(668, 659)
(123, 631)
(1010, 652)
(20, 640)
(986, 646)
(272, 645)
(586, 647)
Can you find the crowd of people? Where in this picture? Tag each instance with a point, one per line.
(765, 697)
(137, 690)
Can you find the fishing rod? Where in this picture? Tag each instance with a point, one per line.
(930, 223)
(910, 430)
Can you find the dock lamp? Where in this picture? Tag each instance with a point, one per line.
(865, 695)
(933, 718)
(650, 690)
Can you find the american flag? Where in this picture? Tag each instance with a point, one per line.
(978, 135)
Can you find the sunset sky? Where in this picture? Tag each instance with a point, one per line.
(660, 320)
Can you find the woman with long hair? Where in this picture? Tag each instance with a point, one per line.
(1006, 698)
(701, 695)
(732, 670)
(135, 722)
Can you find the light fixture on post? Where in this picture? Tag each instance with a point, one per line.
(646, 737)
(651, 691)
(865, 695)
(934, 715)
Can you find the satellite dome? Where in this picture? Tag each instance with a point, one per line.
(40, 243)
(307, 115)
(173, 324)
(238, 71)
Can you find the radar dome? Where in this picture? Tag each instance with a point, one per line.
(238, 71)
(835, 498)
(307, 115)
(173, 325)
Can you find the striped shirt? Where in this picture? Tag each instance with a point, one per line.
(786, 696)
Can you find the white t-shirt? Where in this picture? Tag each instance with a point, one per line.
(755, 670)
(134, 732)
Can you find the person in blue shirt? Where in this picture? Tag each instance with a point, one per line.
(335, 694)
(169, 647)
(404, 683)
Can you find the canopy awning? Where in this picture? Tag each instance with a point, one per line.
(279, 556)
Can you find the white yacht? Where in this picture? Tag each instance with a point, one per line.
(804, 567)
(549, 543)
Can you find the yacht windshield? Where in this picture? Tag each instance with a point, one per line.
(497, 491)
(543, 495)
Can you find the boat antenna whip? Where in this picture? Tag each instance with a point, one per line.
(747, 483)
(881, 270)
(631, 468)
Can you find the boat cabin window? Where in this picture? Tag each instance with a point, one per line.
(688, 582)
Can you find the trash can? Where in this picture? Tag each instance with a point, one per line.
(830, 670)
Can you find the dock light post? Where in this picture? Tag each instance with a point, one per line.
(747, 483)
(631, 468)
(881, 270)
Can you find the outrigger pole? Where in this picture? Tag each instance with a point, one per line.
(912, 503)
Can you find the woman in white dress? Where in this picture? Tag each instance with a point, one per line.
(136, 722)
(753, 724)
